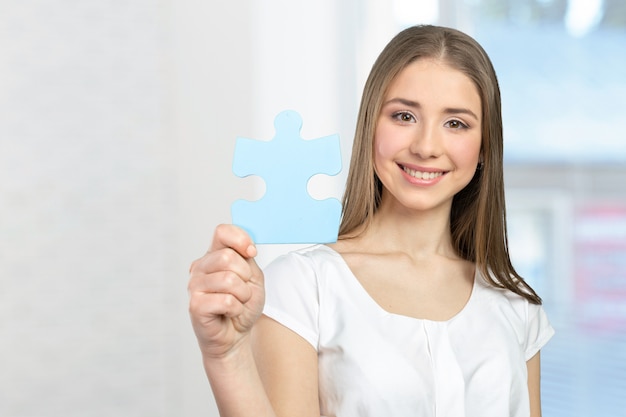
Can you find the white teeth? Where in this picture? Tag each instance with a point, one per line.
(422, 175)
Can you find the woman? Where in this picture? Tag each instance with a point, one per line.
(416, 310)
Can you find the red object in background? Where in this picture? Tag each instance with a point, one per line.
(600, 267)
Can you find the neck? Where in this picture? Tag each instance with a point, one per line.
(418, 233)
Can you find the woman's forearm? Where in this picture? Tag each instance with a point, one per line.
(237, 386)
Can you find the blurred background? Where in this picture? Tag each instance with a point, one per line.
(117, 129)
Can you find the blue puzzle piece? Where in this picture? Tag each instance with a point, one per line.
(287, 213)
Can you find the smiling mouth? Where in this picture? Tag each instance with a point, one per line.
(421, 175)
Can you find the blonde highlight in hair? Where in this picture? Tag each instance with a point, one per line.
(478, 215)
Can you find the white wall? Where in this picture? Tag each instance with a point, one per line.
(210, 65)
(88, 322)
(117, 124)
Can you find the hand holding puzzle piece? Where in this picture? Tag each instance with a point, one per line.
(287, 213)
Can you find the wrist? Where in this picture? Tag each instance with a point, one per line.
(236, 384)
(238, 357)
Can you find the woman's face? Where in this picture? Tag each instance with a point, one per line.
(428, 136)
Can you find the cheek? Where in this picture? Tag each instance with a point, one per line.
(468, 152)
(384, 148)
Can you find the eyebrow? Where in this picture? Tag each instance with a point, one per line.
(416, 105)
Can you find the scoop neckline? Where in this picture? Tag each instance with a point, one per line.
(366, 295)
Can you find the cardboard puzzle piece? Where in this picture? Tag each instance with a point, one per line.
(287, 213)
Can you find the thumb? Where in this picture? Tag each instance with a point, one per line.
(233, 237)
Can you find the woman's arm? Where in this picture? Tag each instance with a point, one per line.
(288, 367)
(226, 297)
(236, 385)
(271, 374)
(534, 384)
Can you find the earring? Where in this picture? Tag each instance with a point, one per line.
(480, 165)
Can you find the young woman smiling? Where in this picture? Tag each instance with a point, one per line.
(416, 310)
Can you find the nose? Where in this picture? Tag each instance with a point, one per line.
(427, 141)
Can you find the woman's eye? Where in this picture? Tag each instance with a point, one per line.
(404, 117)
(456, 124)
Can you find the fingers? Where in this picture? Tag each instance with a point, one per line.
(211, 305)
(231, 246)
(222, 276)
(226, 291)
(225, 259)
(231, 236)
(218, 288)
(221, 282)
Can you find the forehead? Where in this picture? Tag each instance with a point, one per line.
(436, 81)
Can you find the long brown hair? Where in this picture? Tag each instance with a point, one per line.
(478, 214)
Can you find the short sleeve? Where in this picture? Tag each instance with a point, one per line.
(538, 330)
(291, 295)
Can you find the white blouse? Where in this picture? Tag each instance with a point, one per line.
(375, 363)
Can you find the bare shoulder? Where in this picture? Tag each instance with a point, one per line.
(346, 246)
(359, 256)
